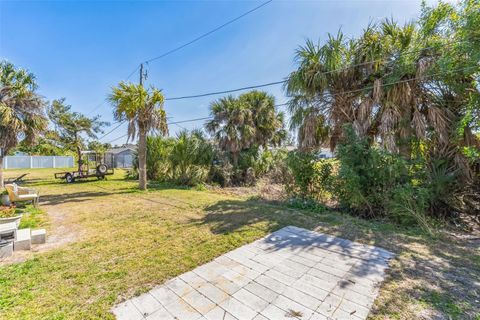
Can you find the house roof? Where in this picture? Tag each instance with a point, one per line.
(120, 150)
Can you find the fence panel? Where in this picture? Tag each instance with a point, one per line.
(31, 162)
(63, 162)
(42, 162)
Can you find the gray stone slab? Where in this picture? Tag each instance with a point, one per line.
(238, 309)
(193, 279)
(164, 295)
(161, 314)
(180, 309)
(127, 311)
(250, 300)
(146, 304)
(179, 286)
(293, 308)
(219, 314)
(292, 273)
(261, 291)
(302, 298)
(199, 302)
(213, 293)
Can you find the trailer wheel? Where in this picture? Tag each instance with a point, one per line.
(101, 169)
(69, 178)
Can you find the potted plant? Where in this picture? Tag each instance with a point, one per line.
(8, 214)
(5, 199)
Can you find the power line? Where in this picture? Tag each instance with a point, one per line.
(103, 102)
(323, 73)
(106, 134)
(207, 33)
(226, 91)
(334, 94)
(189, 43)
(131, 73)
(182, 121)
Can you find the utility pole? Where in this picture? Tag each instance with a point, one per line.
(143, 75)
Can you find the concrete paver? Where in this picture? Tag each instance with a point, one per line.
(292, 273)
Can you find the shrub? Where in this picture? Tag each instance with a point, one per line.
(190, 158)
(253, 163)
(184, 160)
(408, 206)
(309, 177)
(367, 175)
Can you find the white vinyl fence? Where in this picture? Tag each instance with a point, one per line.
(32, 162)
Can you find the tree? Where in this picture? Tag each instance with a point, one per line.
(143, 109)
(401, 86)
(47, 144)
(412, 90)
(244, 122)
(72, 127)
(22, 116)
(98, 147)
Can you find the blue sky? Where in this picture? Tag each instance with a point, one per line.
(80, 49)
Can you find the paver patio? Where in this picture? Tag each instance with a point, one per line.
(292, 273)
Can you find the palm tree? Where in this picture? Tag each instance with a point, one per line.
(244, 122)
(268, 123)
(22, 114)
(143, 109)
(320, 91)
(231, 125)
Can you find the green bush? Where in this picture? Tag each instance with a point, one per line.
(190, 158)
(367, 175)
(309, 177)
(253, 164)
(184, 160)
(408, 206)
(374, 183)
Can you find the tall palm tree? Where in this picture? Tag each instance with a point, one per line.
(268, 123)
(247, 121)
(22, 115)
(231, 125)
(143, 109)
(320, 91)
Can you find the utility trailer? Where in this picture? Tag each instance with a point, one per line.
(92, 165)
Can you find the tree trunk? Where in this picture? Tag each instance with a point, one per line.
(79, 155)
(142, 159)
(1, 171)
(235, 156)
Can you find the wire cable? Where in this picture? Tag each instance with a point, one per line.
(106, 134)
(328, 94)
(323, 73)
(226, 91)
(207, 33)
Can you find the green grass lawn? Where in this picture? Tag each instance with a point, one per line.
(109, 242)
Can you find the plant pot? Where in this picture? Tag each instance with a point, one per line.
(15, 219)
(5, 200)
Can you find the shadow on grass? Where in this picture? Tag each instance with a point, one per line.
(440, 274)
(78, 197)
